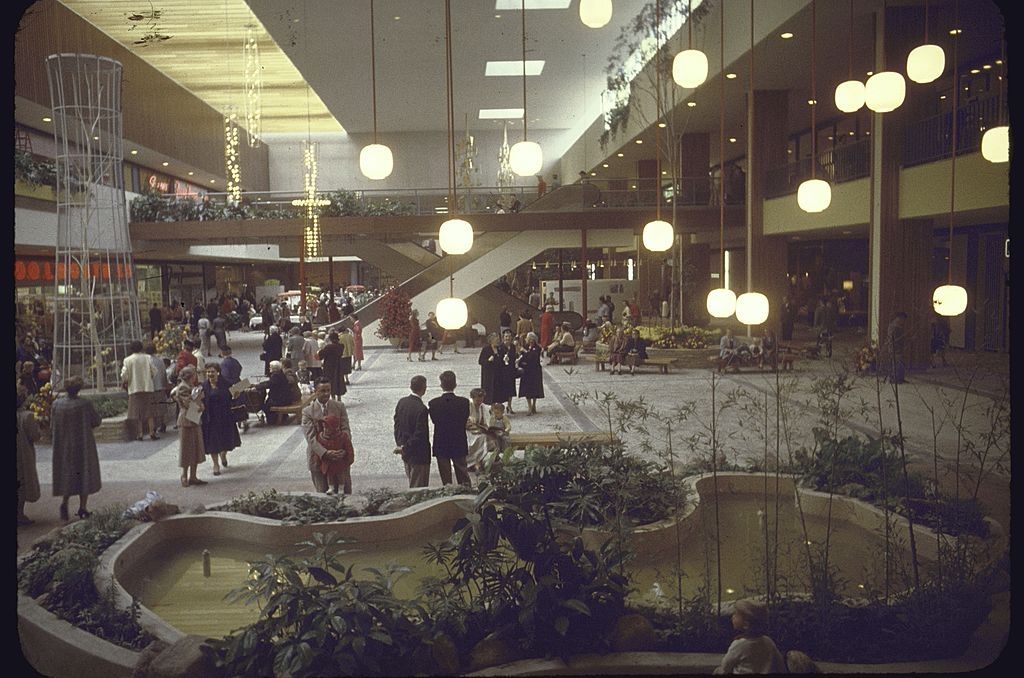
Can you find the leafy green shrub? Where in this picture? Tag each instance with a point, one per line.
(63, 567)
(590, 485)
(300, 509)
(107, 406)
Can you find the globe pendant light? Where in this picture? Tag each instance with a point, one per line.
(721, 303)
(375, 160)
(814, 195)
(752, 308)
(926, 62)
(456, 236)
(452, 313)
(595, 13)
(525, 157)
(690, 67)
(949, 299)
(850, 94)
(658, 235)
(885, 91)
(995, 143)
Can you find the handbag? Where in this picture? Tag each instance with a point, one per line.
(263, 356)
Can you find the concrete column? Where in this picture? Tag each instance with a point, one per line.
(766, 256)
(900, 251)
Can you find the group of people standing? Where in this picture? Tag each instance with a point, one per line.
(502, 364)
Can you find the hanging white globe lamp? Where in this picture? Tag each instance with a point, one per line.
(814, 195)
(376, 161)
(995, 144)
(690, 68)
(526, 158)
(455, 236)
(658, 235)
(925, 63)
(452, 313)
(949, 300)
(595, 13)
(721, 302)
(752, 308)
(885, 91)
(850, 96)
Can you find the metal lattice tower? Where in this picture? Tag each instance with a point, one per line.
(97, 308)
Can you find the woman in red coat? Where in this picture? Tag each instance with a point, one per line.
(414, 334)
(547, 326)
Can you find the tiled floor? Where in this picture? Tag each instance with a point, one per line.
(274, 456)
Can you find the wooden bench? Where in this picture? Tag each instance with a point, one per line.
(785, 360)
(599, 360)
(556, 438)
(565, 358)
(662, 363)
(294, 408)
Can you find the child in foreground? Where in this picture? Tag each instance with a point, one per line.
(752, 651)
(337, 471)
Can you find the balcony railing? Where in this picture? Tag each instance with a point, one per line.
(845, 163)
(931, 138)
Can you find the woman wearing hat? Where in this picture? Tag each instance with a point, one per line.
(752, 651)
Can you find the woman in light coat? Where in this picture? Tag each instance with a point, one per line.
(189, 394)
(76, 463)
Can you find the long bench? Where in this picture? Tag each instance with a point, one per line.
(294, 408)
(601, 359)
(785, 360)
(556, 438)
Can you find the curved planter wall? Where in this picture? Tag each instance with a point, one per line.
(53, 645)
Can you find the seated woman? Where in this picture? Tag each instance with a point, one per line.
(769, 350)
(635, 351)
(617, 351)
(564, 344)
(590, 334)
(279, 392)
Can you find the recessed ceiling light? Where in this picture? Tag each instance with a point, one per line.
(397, 18)
(942, 96)
(999, 62)
(514, 68)
(639, 141)
(691, 104)
(47, 119)
(633, 186)
(662, 125)
(191, 173)
(620, 154)
(851, 133)
(786, 36)
(517, 5)
(604, 164)
(830, 138)
(867, 133)
(730, 76)
(500, 113)
(96, 138)
(789, 150)
(732, 140)
(870, 73)
(593, 174)
(135, 152)
(664, 171)
(954, 31)
(987, 67)
(811, 102)
(165, 163)
(213, 181)
(497, 16)
(975, 71)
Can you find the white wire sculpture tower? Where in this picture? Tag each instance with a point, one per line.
(97, 308)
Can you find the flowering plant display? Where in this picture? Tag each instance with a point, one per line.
(168, 340)
(394, 320)
(685, 337)
(40, 404)
(866, 358)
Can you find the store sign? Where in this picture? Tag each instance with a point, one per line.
(36, 270)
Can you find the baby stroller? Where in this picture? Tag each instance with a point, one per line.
(249, 402)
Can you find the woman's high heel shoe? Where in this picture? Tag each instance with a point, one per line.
(82, 513)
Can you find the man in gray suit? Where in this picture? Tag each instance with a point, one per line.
(321, 406)
(412, 433)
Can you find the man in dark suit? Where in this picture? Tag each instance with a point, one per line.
(412, 433)
(450, 413)
(320, 407)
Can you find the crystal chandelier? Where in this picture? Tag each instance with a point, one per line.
(312, 241)
(253, 77)
(232, 169)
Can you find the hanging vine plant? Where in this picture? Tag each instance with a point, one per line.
(632, 39)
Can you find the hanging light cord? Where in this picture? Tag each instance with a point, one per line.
(524, 68)
(849, 34)
(449, 82)
(657, 108)
(814, 91)
(952, 170)
(926, 22)
(689, 25)
(373, 72)
(721, 147)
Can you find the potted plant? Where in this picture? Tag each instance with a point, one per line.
(394, 320)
